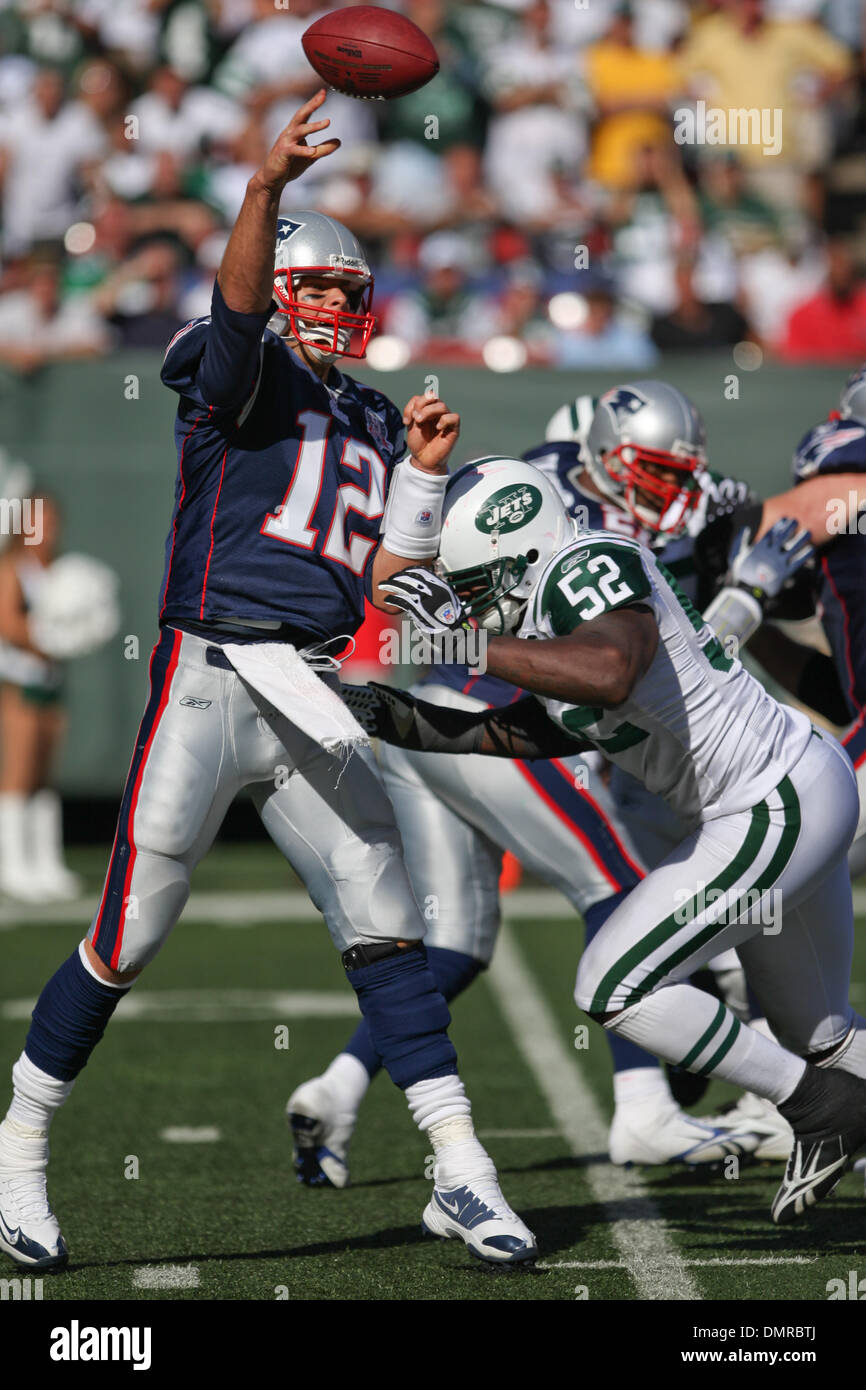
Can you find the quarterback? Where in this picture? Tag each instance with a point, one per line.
(287, 473)
(617, 659)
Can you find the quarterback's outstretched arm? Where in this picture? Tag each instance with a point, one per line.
(819, 505)
(246, 274)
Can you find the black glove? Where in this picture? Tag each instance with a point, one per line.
(397, 717)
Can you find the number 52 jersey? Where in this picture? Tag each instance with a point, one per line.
(697, 728)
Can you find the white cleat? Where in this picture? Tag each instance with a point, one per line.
(480, 1216)
(773, 1135)
(320, 1137)
(29, 1230)
(650, 1135)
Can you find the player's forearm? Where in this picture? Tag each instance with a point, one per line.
(588, 668)
(246, 273)
(384, 565)
(826, 505)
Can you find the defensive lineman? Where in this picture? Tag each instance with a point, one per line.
(284, 465)
(616, 658)
(462, 812)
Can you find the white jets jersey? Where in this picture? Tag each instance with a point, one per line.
(697, 728)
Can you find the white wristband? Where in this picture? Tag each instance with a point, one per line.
(734, 613)
(413, 512)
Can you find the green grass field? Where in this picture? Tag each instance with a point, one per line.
(225, 1219)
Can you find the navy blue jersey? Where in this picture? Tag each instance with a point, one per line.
(562, 463)
(839, 446)
(281, 480)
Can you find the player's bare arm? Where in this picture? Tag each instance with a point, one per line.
(246, 274)
(812, 504)
(599, 663)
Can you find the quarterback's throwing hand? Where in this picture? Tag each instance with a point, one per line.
(291, 154)
(429, 600)
(431, 431)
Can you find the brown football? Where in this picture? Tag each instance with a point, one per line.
(365, 51)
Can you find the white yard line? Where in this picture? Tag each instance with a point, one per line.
(166, 1277)
(634, 1221)
(216, 1005)
(189, 1134)
(714, 1262)
(240, 909)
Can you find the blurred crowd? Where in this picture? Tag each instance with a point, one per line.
(565, 191)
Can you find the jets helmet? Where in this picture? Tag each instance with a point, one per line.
(852, 402)
(571, 421)
(501, 523)
(636, 430)
(309, 243)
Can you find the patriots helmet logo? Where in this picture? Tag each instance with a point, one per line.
(623, 402)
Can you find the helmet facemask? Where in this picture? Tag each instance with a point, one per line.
(658, 504)
(327, 333)
(486, 591)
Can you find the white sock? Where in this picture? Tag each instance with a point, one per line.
(36, 1096)
(682, 1024)
(348, 1082)
(641, 1086)
(851, 1053)
(441, 1107)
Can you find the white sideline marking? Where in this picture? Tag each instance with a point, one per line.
(519, 1134)
(634, 1221)
(216, 1005)
(234, 909)
(715, 1261)
(166, 1277)
(187, 1134)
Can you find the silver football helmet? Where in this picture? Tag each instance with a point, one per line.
(310, 243)
(852, 402)
(644, 448)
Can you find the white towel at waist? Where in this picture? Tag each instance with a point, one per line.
(279, 673)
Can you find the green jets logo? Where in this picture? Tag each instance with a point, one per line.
(509, 508)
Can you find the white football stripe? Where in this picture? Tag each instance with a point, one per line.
(166, 1277)
(634, 1221)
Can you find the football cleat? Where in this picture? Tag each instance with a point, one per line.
(320, 1141)
(483, 1220)
(828, 1114)
(650, 1135)
(752, 1113)
(29, 1231)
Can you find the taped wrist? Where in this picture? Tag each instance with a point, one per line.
(413, 512)
(734, 613)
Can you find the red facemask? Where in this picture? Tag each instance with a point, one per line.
(345, 333)
(672, 502)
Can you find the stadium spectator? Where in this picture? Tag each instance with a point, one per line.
(605, 337)
(171, 116)
(442, 311)
(534, 88)
(38, 326)
(695, 325)
(139, 299)
(42, 147)
(633, 90)
(742, 58)
(831, 325)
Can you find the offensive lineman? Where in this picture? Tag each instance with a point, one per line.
(463, 812)
(284, 465)
(617, 658)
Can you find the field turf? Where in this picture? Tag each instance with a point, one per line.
(225, 1219)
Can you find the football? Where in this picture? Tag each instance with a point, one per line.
(370, 53)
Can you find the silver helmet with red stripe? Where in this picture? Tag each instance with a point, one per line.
(310, 244)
